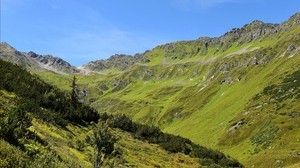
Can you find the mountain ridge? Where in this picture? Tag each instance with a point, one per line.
(240, 97)
(35, 61)
(251, 31)
(245, 34)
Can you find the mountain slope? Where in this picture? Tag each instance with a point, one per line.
(196, 88)
(40, 126)
(34, 61)
(235, 93)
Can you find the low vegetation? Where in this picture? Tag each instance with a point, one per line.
(39, 127)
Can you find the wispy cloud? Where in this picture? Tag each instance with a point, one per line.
(84, 46)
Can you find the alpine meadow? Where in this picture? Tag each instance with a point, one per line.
(228, 101)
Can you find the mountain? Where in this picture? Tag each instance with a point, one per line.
(41, 126)
(52, 63)
(35, 61)
(246, 34)
(120, 62)
(8, 53)
(238, 93)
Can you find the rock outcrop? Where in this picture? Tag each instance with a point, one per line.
(32, 60)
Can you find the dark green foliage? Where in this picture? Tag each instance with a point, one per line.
(11, 156)
(264, 136)
(121, 122)
(38, 99)
(169, 142)
(104, 144)
(43, 99)
(289, 88)
(74, 92)
(13, 125)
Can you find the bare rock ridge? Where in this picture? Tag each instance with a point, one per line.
(52, 62)
(249, 32)
(35, 61)
(10, 54)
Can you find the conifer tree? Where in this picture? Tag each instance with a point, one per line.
(74, 92)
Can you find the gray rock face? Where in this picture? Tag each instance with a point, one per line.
(118, 61)
(52, 62)
(294, 20)
(10, 54)
(35, 61)
(249, 32)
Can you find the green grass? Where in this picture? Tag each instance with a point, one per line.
(184, 96)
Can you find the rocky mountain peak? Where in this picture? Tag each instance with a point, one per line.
(34, 60)
(293, 21)
(249, 32)
(6, 46)
(32, 54)
(118, 61)
(52, 63)
(10, 54)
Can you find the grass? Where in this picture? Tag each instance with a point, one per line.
(136, 153)
(184, 96)
(141, 154)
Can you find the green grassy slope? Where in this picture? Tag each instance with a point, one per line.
(202, 91)
(40, 126)
(70, 147)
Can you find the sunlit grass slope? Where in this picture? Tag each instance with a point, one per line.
(209, 95)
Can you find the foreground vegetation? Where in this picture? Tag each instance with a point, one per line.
(230, 95)
(41, 126)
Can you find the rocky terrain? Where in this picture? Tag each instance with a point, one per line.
(35, 61)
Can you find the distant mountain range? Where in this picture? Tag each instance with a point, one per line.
(249, 32)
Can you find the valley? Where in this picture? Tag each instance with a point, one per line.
(238, 93)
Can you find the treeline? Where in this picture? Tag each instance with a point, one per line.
(43, 100)
(169, 142)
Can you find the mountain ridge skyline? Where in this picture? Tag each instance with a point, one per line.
(256, 24)
(94, 30)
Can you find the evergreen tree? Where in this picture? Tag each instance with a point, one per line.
(104, 144)
(74, 92)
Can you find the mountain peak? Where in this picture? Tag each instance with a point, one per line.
(34, 60)
(249, 32)
(293, 20)
(254, 24)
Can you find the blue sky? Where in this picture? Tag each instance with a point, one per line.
(80, 31)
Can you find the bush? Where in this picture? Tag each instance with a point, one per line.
(170, 142)
(104, 142)
(11, 156)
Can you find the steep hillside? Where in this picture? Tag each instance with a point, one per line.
(40, 126)
(214, 91)
(238, 93)
(8, 53)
